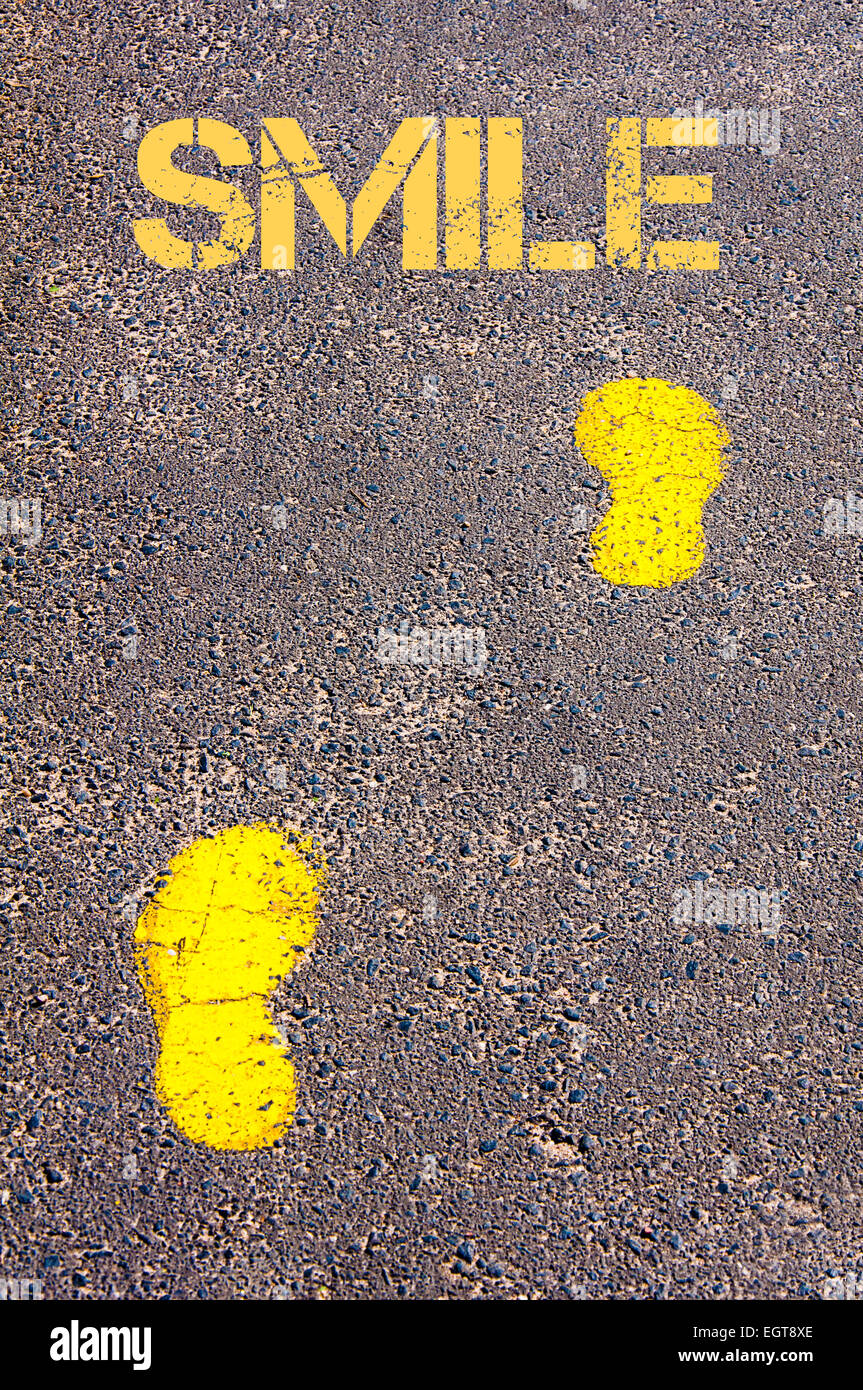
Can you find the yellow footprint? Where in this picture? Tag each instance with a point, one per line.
(229, 920)
(660, 448)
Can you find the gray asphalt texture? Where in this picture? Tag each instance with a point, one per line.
(538, 1086)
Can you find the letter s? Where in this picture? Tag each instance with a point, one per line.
(160, 177)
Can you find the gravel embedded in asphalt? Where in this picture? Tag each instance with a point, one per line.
(518, 1074)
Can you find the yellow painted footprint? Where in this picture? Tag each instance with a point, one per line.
(660, 448)
(229, 920)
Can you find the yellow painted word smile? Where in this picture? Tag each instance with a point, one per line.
(483, 212)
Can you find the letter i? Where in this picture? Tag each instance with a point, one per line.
(463, 239)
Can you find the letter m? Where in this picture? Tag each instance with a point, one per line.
(746, 904)
(409, 159)
(111, 1339)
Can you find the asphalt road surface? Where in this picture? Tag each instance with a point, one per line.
(520, 1072)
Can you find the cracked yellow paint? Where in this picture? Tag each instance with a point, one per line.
(409, 160)
(231, 917)
(162, 178)
(660, 448)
